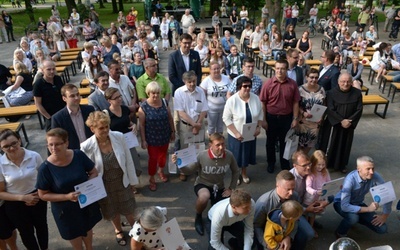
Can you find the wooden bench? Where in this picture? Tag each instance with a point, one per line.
(268, 65)
(396, 87)
(84, 91)
(384, 80)
(84, 83)
(84, 101)
(205, 70)
(376, 100)
(364, 89)
(71, 50)
(76, 58)
(21, 110)
(69, 63)
(69, 53)
(17, 127)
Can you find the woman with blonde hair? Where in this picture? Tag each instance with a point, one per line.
(154, 115)
(108, 50)
(108, 150)
(20, 57)
(23, 80)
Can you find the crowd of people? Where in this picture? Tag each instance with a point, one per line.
(87, 141)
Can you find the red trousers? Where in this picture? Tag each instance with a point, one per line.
(157, 157)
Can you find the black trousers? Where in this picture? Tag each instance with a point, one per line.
(278, 126)
(28, 219)
(10, 32)
(236, 229)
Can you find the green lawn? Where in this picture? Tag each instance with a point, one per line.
(21, 19)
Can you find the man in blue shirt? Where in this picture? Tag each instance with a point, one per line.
(227, 41)
(349, 202)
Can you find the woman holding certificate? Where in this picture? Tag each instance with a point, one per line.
(311, 93)
(57, 177)
(122, 120)
(156, 131)
(113, 160)
(22, 206)
(242, 111)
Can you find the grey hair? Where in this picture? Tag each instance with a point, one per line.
(148, 61)
(151, 218)
(362, 159)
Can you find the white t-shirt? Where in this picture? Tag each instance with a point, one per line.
(22, 179)
(192, 103)
(216, 92)
(202, 52)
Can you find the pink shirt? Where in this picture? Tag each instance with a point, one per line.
(313, 184)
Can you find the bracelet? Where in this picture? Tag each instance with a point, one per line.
(296, 118)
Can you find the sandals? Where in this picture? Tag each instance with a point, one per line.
(163, 177)
(152, 185)
(121, 241)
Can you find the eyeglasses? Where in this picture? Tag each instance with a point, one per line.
(150, 66)
(55, 145)
(313, 77)
(246, 86)
(13, 144)
(307, 165)
(117, 97)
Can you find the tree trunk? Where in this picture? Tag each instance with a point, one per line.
(368, 3)
(121, 5)
(275, 11)
(29, 11)
(70, 5)
(114, 6)
(101, 4)
(214, 5)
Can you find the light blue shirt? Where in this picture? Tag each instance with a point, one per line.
(354, 190)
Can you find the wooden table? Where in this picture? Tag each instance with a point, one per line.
(313, 62)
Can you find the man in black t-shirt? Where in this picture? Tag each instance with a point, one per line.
(47, 92)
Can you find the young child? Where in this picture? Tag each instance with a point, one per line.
(361, 45)
(281, 222)
(319, 175)
(164, 33)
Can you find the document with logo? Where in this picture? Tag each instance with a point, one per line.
(317, 112)
(171, 236)
(186, 156)
(90, 191)
(383, 193)
(131, 140)
(248, 131)
(332, 187)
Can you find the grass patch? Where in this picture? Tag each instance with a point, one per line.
(21, 19)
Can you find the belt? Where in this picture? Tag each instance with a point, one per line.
(187, 124)
(280, 116)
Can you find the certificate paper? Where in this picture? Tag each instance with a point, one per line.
(317, 112)
(383, 193)
(186, 156)
(171, 236)
(131, 140)
(248, 131)
(332, 187)
(191, 138)
(91, 191)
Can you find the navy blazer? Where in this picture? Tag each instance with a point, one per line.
(62, 119)
(98, 101)
(329, 80)
(299, 75)
(176, 68)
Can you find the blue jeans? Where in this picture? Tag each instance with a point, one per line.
(305, 233)
(350, 219)
(396, 75)
(244, 22)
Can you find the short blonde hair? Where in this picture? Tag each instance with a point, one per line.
(88, 45)
(152, 87)
(21, 68)
(97, 117)
(292, 209)
(17, 51)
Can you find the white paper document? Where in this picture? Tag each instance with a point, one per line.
(186, 156)
(90, 191)
(317, 112)
(383, 193)
(171, 236)
(131, 140)
(191, 138)
(332, 187)
(248, 131)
